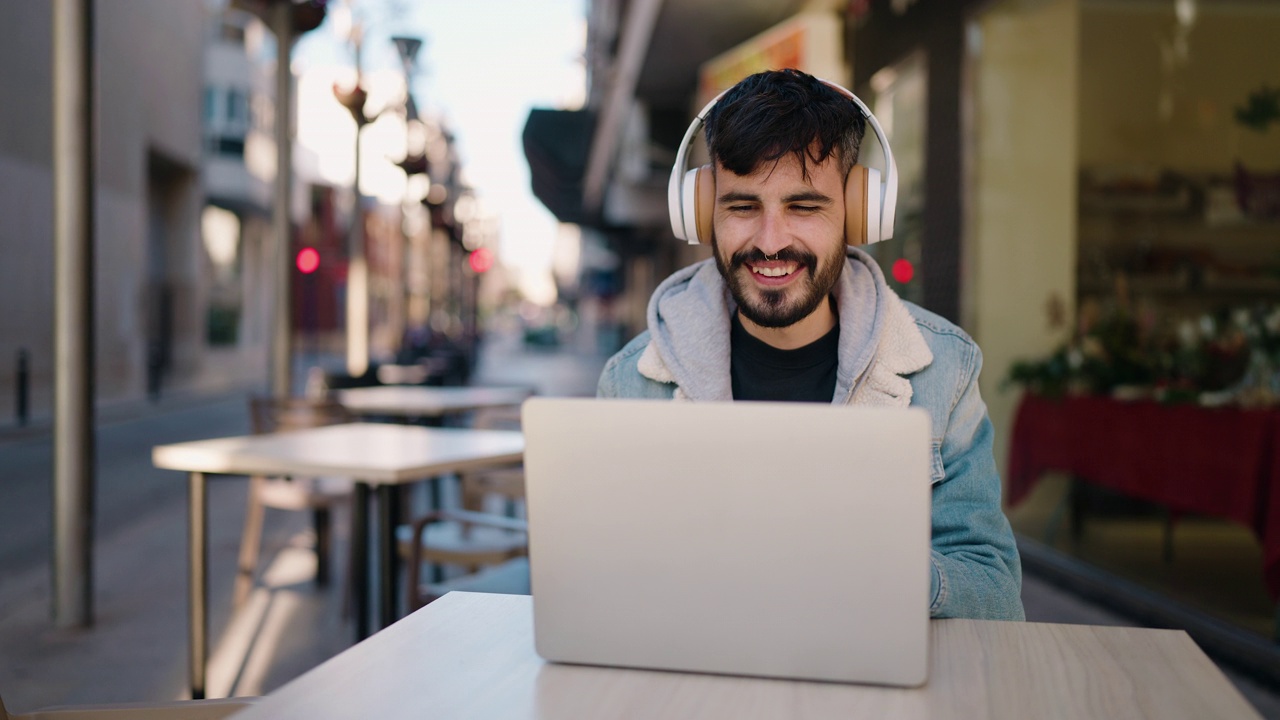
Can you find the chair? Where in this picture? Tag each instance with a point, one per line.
(319, 495)
(492, 548)
(176, 710)
(506, 483)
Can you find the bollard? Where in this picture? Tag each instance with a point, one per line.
(24, 380)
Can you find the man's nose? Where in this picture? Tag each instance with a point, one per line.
(773, 235)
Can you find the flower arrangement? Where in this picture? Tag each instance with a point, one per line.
(1228, 357)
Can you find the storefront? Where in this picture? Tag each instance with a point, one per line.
(1100, 195)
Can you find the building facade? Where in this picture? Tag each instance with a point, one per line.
(150, 271)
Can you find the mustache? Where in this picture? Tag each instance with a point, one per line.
(787, 254)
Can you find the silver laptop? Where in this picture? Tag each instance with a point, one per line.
(770, 539)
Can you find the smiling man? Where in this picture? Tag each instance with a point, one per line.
(787, 310)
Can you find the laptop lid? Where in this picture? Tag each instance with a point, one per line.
(770, 539)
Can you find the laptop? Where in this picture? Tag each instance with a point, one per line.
(784, 540)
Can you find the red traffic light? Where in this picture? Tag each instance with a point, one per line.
(903, 270)
(308, 260)
(481, 259)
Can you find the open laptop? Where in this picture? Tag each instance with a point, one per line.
(770, 539)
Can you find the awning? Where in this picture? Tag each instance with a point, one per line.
(556, 144)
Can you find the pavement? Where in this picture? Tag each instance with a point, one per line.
(136, 648)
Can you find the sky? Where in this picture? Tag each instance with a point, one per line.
(483, 65)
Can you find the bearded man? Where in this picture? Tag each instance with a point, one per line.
(789, 309)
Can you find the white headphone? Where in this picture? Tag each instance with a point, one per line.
(870, 197)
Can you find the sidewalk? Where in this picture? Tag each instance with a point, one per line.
(136, 650)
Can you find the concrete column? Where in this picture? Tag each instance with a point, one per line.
(281, 376)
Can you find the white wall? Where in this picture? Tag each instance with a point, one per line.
(1020, 245)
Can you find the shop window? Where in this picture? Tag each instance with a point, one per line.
(210, 105)
(1179, 174)
(898, 101)
(1123, 210)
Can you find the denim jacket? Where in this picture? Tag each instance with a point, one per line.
(892, 354)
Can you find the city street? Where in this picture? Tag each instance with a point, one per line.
(137, 647)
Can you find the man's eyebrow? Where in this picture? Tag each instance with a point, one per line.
(737, 196)
(809, 196)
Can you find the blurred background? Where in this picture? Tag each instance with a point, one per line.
(476, 193)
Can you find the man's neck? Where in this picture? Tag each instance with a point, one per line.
(810, 328)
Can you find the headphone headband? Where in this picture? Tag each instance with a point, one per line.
(684, 227)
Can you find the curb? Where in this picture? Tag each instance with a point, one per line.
(116, 411)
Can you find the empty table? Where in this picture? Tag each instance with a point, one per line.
(375, 455)
(414, 401)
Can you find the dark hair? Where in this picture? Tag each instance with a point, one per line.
(776, 112)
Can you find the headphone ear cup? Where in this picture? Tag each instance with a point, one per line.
(704, 203)
(689, 205)
(874, 228)
(855, 206)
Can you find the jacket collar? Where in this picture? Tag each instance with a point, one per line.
(900, 350)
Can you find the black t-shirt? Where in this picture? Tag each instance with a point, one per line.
(760, 371)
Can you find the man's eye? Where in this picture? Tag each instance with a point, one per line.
(805, 208)
(740, 208)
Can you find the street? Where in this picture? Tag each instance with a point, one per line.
(137, 648)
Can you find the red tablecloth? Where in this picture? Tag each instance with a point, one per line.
(1213, 461)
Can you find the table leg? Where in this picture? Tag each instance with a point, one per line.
(1058, 516)
(1167, 536)
(1077, 495)
(437, 503)
(198, 583)
(398, 514)
(386, 532)
(360, 558)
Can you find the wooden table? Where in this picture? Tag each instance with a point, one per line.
(470, 655)
(376, 455)
(413, 401)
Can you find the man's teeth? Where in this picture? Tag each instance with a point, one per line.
(772, 272)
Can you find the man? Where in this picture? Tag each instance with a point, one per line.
(787, 311)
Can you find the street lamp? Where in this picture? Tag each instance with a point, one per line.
(357, 330)
(412, 164)
(287, 19)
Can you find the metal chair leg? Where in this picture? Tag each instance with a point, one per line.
(250, 544)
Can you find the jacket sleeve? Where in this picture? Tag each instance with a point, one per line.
(607, 386)
(976, 569)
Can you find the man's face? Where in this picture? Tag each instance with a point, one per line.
(779, 238)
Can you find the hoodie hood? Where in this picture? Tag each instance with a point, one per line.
(689, 332)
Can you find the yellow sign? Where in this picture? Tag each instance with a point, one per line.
(809, 42)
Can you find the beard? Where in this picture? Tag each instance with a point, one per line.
(782, 307)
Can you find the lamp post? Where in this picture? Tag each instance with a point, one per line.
(357, 263)
(407, 48)
(414, 163)
(287, 19)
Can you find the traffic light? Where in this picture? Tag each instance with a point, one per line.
(480, 259)
(903, 270)
(308, 260)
